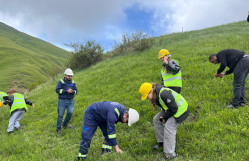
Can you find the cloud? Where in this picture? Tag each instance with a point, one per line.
(60, 22)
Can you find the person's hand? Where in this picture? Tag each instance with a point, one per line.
(161, 119)
(117, 149)
(69, 90)
(166, 59)
(217, 74)
(222, 75)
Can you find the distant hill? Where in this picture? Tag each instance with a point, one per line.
(26, 61)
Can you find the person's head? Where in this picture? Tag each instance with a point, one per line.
(213, 59)
(68, 74)
(130, 116)
(147, 90)
(163, 53)
(12, 90)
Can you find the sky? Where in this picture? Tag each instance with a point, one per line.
(63, 22)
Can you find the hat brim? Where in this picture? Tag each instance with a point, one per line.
(144, 97)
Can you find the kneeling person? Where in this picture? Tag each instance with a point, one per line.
(105, 115)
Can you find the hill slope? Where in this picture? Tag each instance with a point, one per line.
(211, 132)
(25, 60)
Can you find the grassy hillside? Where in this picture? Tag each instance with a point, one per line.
(27, 61)
(211, 132)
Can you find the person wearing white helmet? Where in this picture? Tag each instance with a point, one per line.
(66, 89)
(105, 115)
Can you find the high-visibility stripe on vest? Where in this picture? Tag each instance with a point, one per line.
(18, 102)
(106, 146)
(2, 94)
(171, 80)
(180, 101)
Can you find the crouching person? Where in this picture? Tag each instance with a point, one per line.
(175, 110)
(18, 107)
(105, 115)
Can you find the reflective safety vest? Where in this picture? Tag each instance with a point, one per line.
(2, 94)
(180, 101)
(171, 80)
(72, 84)
(18, 102)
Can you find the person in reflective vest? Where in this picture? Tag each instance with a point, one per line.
(171, 73)
(104, 115)
(2, 94)
(175, 110)
(18, 107)
(66, 89)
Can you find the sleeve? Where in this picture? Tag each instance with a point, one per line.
(59, 88)
(173, 67)
(75, 91)
(229, 71)
(169, 101)
(223, 60)
(28, 101)
(111, 131)
(248, 18)
(9, 101)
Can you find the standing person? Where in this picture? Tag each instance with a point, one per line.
(171, 73)
(175, 110)
(18, 107)
(105, 115)
(66, 89)
(2, 94)
(248, 17)
(238, 62)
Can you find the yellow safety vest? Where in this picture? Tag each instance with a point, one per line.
(180, 101)
(18, 102)
(171, 80)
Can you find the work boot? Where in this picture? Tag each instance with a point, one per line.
(17, 128)
(159, 145)
(231, 106)
(167, 157)
(10, 132)
(58, 131)
(66, 126)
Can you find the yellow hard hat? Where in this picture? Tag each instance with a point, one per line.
(1, 104)
(145, 89)
(163, 53)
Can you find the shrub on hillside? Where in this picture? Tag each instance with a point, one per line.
(135, 42)
(85, 55)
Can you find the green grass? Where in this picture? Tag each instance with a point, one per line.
(27, 61)
(211, 132)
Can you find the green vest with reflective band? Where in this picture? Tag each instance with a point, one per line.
(2, 94)
(180, 101)
(18, 103)
(171, 80)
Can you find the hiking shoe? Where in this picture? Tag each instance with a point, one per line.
(167, 157)
(242, 104)
(17, 128)
(10, 132)
(58, 131)
(104, 151)
(231, 106)
(66, 126)
(159, 145)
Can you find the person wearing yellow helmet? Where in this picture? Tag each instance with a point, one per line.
(171, 73)
(174, 111)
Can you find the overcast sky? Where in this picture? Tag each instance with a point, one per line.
(72, 21)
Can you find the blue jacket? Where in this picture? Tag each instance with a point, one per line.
(62, 87)
(108, 113)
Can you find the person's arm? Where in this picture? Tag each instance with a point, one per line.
(173, 67)
(248, 17)
(59, 88)
(75, 91)
(169, 101)
(229, 71)
(9, 101)
(28, 102)
(111, 131)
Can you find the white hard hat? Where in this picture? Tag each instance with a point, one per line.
(133, 116)
(68, 71)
